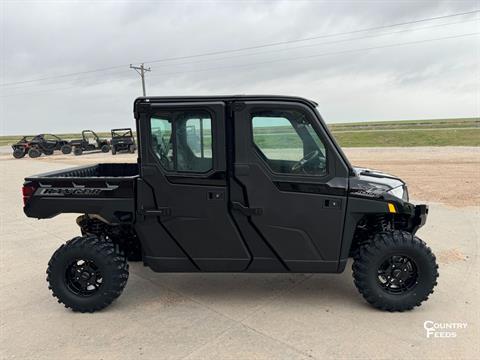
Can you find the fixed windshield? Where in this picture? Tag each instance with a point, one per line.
(122, 133)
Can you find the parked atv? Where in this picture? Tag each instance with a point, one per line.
(89, 142)
(122, 140)
(40, 144)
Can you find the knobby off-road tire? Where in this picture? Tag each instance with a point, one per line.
(34, 153)
(114, 150)
(66, 149)
(18, 153)
(131, 149)
(87, 260)
(105, 148)
(395, 271)
(48, 152)
(77, 151)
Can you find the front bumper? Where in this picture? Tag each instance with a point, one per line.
(420, 217)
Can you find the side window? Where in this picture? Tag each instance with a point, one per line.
(182, 140)
(198, 141)
(161, 128)
(288, 142)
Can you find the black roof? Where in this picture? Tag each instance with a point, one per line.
(226, 98)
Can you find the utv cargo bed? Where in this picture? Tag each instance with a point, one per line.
(83, 189)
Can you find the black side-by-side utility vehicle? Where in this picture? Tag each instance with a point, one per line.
(40, 144)
(90, 141)
(233, 184)
(122, 140)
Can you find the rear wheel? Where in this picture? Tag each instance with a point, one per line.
(131, 149)
(48, 152)
(105, 148)
(34, 153)
(77, 151)
(66, 149)
(87, 274)
(18, 153)
(114, 150)
(396, 271)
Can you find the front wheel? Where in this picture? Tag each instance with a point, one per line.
(105, 148)
(131, 149)
(77, 151)
(87, 274)
(396, 271)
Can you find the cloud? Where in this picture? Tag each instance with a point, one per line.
(425, 80)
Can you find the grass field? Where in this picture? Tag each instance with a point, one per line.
(442, 132)
(437, 132)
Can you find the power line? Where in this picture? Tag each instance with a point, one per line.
(315, 44)
(291, 59)
(323, 54)
(309, 38)
(245, 48)
(22, 86)
(66, 80)
(65, 75)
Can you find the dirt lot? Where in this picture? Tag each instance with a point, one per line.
(447, 175)
(246, 316)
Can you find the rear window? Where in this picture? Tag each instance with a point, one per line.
(182, 141)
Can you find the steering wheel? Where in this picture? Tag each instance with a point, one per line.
(305, 160)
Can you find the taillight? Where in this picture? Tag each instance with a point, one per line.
(27, 192)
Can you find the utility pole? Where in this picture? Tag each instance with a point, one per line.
(141, 71)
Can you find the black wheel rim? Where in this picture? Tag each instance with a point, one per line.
(83, 277)
(398, 274)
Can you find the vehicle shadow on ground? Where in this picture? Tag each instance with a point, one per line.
(327, 290)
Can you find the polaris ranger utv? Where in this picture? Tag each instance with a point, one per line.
(263, 188)
(122, 140)
(90, 141)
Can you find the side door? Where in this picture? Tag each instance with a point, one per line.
(184, 195)
(294, 180)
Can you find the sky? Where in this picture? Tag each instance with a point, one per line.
(423, 70)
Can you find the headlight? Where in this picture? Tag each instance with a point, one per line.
(400, 192)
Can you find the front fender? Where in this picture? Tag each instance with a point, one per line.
(413, 217)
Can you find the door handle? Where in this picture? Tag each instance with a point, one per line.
(332, 204)
(247, 211)
(164, 211)
(215, 195)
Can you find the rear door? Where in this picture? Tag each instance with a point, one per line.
(294, 180)
(187, 224)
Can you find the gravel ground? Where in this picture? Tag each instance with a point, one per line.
(447, 175)
(245, 316)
